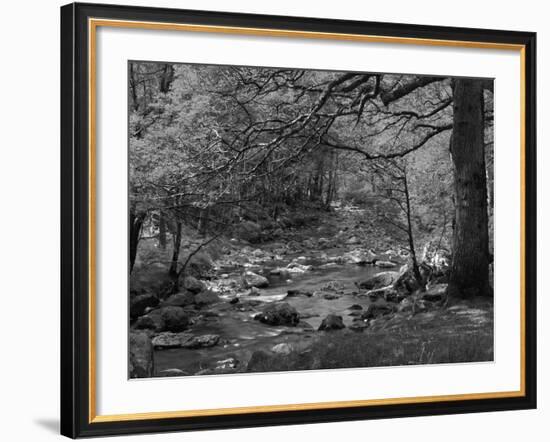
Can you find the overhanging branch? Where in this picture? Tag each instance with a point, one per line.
(370, 156)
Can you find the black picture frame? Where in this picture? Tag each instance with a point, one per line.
(75, 221)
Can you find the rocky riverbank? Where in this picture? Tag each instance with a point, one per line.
(287, 298)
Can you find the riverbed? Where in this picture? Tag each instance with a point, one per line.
(240, 335)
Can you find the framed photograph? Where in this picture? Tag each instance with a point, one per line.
(274, 220)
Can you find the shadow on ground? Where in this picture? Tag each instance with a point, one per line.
(49, 424)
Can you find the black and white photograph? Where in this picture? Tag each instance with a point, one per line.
(285, 219)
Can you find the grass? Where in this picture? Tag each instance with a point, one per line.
(407, 346)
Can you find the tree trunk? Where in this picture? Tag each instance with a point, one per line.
(173, 271)
(166, 78)
(470, 267)
(136, 222)
(410, 237)
(331, 185)
(204, 217)
(133, 88)
(162, 230)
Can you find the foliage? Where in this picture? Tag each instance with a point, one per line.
(224, 149)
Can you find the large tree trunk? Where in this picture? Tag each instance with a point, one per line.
(470, 267)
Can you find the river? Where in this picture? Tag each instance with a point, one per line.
(240, 334)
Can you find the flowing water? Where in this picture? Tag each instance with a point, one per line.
(241, 334)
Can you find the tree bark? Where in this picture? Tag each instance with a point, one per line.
(166, 78)
(204, 217)
(410, 237)
(173, 271)
(470, 266)
(136, 222)
(133, 88)
(162, 230)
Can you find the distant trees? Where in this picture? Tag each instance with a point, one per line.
(146, 82)
(177, 172)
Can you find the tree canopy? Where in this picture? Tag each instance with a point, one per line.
(213, 146)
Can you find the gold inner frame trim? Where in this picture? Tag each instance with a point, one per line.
(93, 24)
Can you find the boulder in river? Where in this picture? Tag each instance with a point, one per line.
(283, 348)
(184, 340)
(385, 264)
(168, 318)
(278, 271)
(333, 286)
(175, 318)
(298, 292)
(278, 314)
(377, 309)
(141, 356)
(295, 267)
(251, 279)
(379, 280)
(206, 297)
(332, 322)
(192, 284)
(359, 257)
(202, 341)
(253, 292)
(139, 303)
(151, 321)
(258, 253)
(170, 340)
